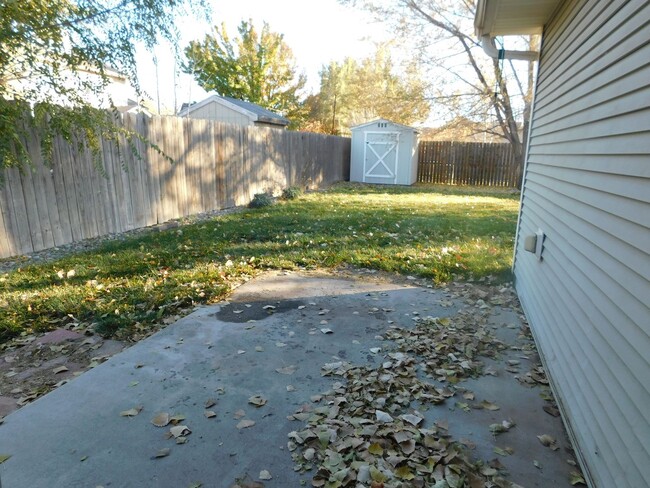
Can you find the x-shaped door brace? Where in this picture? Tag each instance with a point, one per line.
(380, 159)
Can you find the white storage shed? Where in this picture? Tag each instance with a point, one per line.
(384, 152)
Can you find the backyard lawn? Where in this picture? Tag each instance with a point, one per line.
(123, 287)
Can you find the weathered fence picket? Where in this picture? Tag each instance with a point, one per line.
(468, 163)
(216, 166)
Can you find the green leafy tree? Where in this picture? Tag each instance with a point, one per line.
(254, 67)
(56, 61)
(353, 92)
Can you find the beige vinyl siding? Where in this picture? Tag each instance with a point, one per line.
(220, 113)
(587, 186)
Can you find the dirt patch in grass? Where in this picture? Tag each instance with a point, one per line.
(35, 364)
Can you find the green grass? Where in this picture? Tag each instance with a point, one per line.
(439, 233)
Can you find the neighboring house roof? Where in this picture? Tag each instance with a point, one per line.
(513, 17)
(373, 122)
(257, 113)
(132, 107)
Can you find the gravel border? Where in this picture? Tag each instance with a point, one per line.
(54, 253)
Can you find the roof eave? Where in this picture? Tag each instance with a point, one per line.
(506, 17)
(365, 124)
(269, 120)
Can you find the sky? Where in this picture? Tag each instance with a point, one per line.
(317, 31)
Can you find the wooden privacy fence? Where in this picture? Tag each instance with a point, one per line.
(217, 166)
(468, 163)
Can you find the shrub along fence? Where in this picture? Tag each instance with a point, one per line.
(468, 163)
(216, 166)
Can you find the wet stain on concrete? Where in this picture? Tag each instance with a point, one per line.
(254, 311)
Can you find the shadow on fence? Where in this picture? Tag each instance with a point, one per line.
(216, 166)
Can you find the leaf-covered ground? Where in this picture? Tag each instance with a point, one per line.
(384, 386)
(372, 429)
(124, 288)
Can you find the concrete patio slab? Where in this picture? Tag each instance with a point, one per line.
(76, 437)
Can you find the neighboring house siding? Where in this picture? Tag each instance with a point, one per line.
(216, 111)
(587, 186)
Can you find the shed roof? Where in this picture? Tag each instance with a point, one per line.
(387, 121)
(249, 109)
(263, 115)
(513, 17)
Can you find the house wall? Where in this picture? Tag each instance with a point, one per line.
(221, 113)
(587, 187)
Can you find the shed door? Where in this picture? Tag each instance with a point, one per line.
(380, 156)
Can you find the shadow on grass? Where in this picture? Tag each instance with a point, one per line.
(440, 235)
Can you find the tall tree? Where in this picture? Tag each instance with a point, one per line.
(57, 58)
(254, 67)
(467, 82)
(353, 92)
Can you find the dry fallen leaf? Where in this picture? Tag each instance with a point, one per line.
(180, 430)
(548, 441)
(257, 400)
(287, 370)
(239, 414)
(60, 369)
(309, 454)
(162, 453)
(161, 419)
(247, 482)
(132, 412)
(383, 416)
(487, 405)
(551, 410)
(210, 402)
(504, 426)
(209, 414)
(503, 452)
(244, 424)
(175, 419)
(576, 478)
(414, 420)
(265, 475)
(376, 449)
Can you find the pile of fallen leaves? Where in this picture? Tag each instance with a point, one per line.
(366, 433)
